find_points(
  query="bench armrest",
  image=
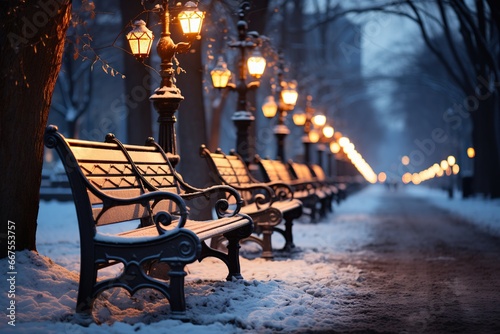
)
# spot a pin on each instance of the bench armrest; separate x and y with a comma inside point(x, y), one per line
point(222, 204)
point(149, 201)
point(282, 191)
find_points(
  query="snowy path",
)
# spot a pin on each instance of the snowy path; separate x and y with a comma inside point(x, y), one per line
point(382, 262)
point(424, 271)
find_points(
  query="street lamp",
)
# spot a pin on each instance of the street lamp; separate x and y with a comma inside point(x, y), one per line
point(140, 39)
point(287, 98)
point(304, 118)
point(167, 97)
point(253, 64)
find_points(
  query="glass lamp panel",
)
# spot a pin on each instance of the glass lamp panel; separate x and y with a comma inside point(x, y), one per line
point(256, 64)
point(140, 39)
point(191, 19)
point(299, 119)
point(220, 74)
point(289, 96)
point(289, 93)
point(269, 108)
point(319, 120)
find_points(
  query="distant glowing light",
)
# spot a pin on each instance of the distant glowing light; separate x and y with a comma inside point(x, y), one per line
point(382, 177)
point(405, 160)
point(451, 160)
point(415, 178)
point(328, 131)
point(343, 141)
point(471, 153)
point(335, 147)
point(444, 164)
point(319, 120)
point(314, 136)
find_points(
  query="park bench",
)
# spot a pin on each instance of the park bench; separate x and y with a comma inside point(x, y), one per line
point(326, 194)
point(268, 204)
point(307, 190)
point(336, 189)
point(114, 183)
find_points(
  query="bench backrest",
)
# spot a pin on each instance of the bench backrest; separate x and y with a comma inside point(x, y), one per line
point(274, 170)
point(230, 168)
point(301, 171)
point(319, 173)
point(95, 168)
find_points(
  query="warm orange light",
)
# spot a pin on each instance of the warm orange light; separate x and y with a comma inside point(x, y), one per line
point(256, 64)
point(415, 178)
point(334, 147)
point(328, 131)
point(319, 120)
point(471, 153)
point(289, 93)
point(314, 136)
point(382, 177)
point(456, 169)
point(406, 178)
point(405, 160)
point(220, 74)
point(451, 160)
point(299, 118)
point(343, 141)
point(191, 19)
point(348, 148)
point(444, 164)
point(140, 39)
point(269, 108)
point(436, 168)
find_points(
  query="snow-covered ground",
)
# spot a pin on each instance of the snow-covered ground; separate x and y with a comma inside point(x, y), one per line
point(304, 292)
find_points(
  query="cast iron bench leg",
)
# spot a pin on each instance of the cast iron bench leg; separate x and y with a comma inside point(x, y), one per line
point(177, 297)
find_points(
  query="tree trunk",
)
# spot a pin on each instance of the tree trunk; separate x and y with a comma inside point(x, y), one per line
point(486, 164)
point(32, 44)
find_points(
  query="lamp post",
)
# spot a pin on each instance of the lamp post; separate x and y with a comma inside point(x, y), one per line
point(320, 135)
point(253, 64)
point(334, 152)
point(167, 97)
point(305, 119)
point(287, 98)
